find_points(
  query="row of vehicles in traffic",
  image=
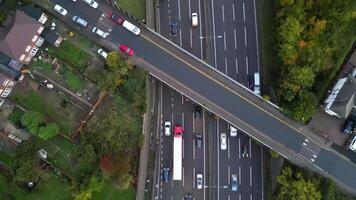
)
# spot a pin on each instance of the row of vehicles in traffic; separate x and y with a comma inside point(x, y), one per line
point(174, 25)
point(103, 34)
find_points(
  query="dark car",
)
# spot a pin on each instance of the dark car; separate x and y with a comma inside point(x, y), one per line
point(245, 150)
point(250, 83)
point(197, 111)
point(188, 197)
point(198, 140)
point(165, 175)
point(348, 127)
point(174, 28)
point(115, 18)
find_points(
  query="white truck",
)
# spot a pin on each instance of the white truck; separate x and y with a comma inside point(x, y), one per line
point(256, 87)
point(177, 153)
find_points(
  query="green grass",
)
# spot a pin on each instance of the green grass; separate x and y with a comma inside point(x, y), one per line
point(5, 158)
point(15, 116)
point(136, 8)
point(33, 101)
point(49, 188)
point(109, 192)
point(39, 64)
point(7, 6)
point(71, 55)
point(73, 81)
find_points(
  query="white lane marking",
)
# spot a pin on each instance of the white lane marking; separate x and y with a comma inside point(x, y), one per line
point(183, 148)
point(215, 60)
point(193, 123)
point(245, 36)
point(239, 149)
point(201, 44)
point(233, 11)
point(237, 66)
point(228, 175)
point(172, 118)
point(191, 39)
point(193, 177)
point(235, 40)
point(193, 149)
point(183, 120)
point(258, 60)
point(228, 147)
point(224, 41)
point(180, 37)
point(251, 176)
point(190, 15)
point(204, 148)
point(246, 58)
point(218, 148)
point(239, 196)
point(183, 176)
point(243, 10)
point(239, 175)
point(223, 13)
point(228, 197)
point(226, 66)
point(250, 148)
point(182, 99)
point(179, 9)
point(250, 196)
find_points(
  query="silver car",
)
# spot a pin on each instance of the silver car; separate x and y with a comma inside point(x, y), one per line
point(92, 3)
point(223, 141)
point(234, 182)
point(199, 181)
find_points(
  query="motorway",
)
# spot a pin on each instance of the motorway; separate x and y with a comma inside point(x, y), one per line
point(229, 101)
point(192, 39)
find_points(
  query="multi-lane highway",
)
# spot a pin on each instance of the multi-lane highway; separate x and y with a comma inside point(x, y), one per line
point(218, 94)
point(224, 163)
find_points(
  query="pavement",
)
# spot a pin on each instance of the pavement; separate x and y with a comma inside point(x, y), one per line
point(219, 94)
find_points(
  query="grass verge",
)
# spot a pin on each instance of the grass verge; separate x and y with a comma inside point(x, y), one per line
point(109, 192)
point(135, 8)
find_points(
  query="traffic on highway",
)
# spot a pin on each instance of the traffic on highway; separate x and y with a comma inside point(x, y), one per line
point(219, 172)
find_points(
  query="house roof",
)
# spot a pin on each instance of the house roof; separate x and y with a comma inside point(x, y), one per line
point(52, 37)
point(19, 36)
point(33, 12)
point(345, 99)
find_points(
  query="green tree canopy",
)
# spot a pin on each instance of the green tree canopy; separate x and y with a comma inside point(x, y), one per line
point(32, 120)
point(293, 186)
point(48, 131)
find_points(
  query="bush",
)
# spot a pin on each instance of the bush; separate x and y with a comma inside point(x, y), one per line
point(274, 154)
point(15, 117)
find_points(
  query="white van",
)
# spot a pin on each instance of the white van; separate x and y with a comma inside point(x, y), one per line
point(100, 32)
point(256, 87)
point(194, 19)
point(132, 28)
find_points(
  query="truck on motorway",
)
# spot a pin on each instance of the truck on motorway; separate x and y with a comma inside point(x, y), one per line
point(177, 153)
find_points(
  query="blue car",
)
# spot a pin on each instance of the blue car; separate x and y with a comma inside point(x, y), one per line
point(174, 28)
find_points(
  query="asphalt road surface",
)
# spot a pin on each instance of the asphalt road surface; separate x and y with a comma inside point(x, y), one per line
point(220, 99)
point(191, 39)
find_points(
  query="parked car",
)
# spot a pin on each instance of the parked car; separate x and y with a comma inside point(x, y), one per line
point(79, 21)
point(100, 32)
point(92, 3)
point(132, 28)
point(188, 197)
point(174, 28)
point(167, 128)
point(198, 140)
point(233, 131)
point(103, 53)
point(194, 19)
point(234, 183)
point(60, 10)
point(126, 50)
point(223, 141)
point(352, 144)
point(245, 150)
point(197, 111)
point(116, 18)
point(199, 180)
point(48, 84)
point(348, 127)
point(165, 175)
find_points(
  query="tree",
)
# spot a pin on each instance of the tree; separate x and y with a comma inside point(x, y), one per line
point(48, 131)
point(32, 120)
point(293, 186)
point(24, 165)
point(113, 60)
point(96, 184)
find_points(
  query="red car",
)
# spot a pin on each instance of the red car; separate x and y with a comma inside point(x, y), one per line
point(115, 18)
point(126, 50)
point(178, 130)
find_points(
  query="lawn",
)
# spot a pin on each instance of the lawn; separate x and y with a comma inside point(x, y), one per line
point(73, 81)
point(109, 192)
point(49, 106)
point(49, 188)
point(135, 8)
point(71, 55)
point(5, 158)
point(39, 64)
